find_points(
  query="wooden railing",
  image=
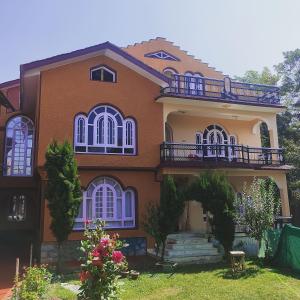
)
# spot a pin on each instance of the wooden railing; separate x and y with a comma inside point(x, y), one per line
point(194, 154)
point(202, 87)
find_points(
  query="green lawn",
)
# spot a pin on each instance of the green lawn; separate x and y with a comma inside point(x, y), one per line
point(199, 282)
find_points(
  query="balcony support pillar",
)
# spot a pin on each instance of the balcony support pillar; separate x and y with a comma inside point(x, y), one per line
point(280, 180)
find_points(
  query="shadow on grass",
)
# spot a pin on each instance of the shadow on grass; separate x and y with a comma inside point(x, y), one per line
point(250, 272)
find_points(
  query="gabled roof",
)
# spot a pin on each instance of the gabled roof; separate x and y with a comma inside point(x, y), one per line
point(5, 102)
point(10, 83)
point(107, 49)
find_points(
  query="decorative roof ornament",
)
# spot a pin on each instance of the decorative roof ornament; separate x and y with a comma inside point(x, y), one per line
point(162, 55)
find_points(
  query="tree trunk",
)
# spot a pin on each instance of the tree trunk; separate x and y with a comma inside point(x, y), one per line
point(163, 250)
point(59, 258)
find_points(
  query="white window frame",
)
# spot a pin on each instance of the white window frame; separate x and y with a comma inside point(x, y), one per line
point(107, 182)
point(28, 146)
point(102, 75)
point(106, 138)
point(76, 128)
point(123, 145)
point(125, 135)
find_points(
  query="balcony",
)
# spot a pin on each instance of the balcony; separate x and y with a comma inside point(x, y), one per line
point(219, 155)
point(222, 90)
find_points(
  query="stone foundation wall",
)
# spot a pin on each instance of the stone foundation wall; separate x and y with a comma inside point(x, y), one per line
point(71, 249)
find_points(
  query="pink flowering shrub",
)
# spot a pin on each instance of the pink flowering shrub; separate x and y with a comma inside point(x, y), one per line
point(102, 262)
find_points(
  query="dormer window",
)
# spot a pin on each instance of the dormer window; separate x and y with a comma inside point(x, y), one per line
point(103, 74)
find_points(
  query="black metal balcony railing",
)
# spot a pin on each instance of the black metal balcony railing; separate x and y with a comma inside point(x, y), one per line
point(202, 87)
point(193, 154)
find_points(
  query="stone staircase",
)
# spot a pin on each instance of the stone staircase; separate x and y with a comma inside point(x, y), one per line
point(190, 248)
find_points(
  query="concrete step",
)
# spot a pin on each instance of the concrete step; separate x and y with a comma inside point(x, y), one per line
point(197, 252)
point(185, 235)
point(186, 246)
point(190, 240)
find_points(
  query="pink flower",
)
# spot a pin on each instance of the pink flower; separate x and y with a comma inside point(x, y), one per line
point(117, 257)
point(95, 253)
point(104, 242)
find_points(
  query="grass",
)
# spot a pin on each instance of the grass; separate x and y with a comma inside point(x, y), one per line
point(208, 282)
point(58, 292)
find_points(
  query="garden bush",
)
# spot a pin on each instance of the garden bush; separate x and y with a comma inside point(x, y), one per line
point(34, 284)
point(102, 262)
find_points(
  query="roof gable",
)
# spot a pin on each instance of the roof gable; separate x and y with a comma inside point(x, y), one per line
point(107, 49)
point(184, 62)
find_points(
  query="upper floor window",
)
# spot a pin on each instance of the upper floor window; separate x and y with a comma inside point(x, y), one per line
point(103, 74)
point(105, 131)
point(19, 147)
point(170, 72)
point(105, 199)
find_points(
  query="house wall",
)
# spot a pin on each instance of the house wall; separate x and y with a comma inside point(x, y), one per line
point(185, 128)
point(67, 91)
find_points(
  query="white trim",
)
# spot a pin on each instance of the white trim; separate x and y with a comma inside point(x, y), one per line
point(105, 183)
point(106, 69)
point(76, 130)
point(106, 115)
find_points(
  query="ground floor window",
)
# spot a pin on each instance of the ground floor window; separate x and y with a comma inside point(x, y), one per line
point(17, 208)
point(105, 199)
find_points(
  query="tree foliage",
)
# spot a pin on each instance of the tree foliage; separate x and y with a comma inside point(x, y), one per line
point(63, 190)
point(162, 219)
point(216, 194)
point(265, 77)
point(257, 207)
point(288, 79)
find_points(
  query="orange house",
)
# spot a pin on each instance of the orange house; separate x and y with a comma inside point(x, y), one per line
point(132, 115)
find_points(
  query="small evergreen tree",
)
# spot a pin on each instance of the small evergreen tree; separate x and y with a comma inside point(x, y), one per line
point(63, 191)
point(171, 208)
point(162, 219)
point(216, 194)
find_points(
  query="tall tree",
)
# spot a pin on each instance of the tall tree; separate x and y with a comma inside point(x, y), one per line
point(289, 123)
point(264, 77)
point(63, 191)
point(162, 219)
point(287, 77)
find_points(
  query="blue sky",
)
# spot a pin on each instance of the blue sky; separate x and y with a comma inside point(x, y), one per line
point(231, 35)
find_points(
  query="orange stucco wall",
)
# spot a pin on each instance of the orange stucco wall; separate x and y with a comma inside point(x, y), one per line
point(67, 91)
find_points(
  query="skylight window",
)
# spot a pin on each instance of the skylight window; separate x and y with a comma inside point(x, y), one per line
point(161, 55)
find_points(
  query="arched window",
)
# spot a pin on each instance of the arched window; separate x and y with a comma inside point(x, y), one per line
point(129, 134)
point(103, 73)
point(19, 147)
point(80, 129)
point(106, 200)
point(105, 132)
point(216, 137)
